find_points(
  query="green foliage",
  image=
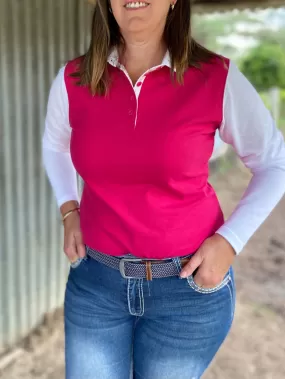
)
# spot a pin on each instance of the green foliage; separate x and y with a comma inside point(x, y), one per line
point(265, 98)
point(213, 30)
point(264, 66)
point(282, 108)
point(268, 36)
point(208, 29)
point(283, 97)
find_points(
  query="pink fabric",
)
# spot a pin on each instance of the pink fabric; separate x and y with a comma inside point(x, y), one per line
point(146, 186)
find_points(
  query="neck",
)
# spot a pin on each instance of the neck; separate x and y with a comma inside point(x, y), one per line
point(141, 54)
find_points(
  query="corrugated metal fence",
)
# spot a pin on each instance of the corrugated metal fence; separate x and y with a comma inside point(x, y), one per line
point(36, 38)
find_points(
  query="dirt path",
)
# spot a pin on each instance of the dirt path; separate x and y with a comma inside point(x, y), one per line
point(255, 347)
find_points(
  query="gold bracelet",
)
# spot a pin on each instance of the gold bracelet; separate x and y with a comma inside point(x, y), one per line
point(69, 213)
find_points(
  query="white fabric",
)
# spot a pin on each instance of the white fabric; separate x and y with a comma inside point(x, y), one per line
point(56, 144)
point(247, 126)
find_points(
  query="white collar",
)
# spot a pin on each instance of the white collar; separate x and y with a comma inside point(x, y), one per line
point(113, 59)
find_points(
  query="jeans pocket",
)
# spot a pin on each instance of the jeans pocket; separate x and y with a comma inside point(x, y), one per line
point(78, 263)
point(202, 290)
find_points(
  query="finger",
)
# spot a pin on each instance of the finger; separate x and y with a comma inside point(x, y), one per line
point(70, 249)
point(81, 251)
point(193, 264)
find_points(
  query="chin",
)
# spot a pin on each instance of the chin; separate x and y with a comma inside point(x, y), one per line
point(136, 26)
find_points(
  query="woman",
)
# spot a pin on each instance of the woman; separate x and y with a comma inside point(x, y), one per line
point(150, 291)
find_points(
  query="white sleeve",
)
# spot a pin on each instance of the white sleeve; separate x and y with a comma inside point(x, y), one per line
point(56, 143)
point(248, 126)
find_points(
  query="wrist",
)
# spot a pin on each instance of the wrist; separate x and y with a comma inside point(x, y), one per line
point(67, 206)
point(225, 243)
point(70, 213)
point(72, 219)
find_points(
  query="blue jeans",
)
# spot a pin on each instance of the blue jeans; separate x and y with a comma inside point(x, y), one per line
point(120, 328)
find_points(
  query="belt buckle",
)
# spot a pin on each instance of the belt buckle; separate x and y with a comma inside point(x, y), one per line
point(122, 266)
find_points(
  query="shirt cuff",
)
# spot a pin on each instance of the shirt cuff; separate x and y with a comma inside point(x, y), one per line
point(66, 198)
point(232, 238)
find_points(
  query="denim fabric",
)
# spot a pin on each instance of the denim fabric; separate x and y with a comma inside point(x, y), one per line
point(163, 329)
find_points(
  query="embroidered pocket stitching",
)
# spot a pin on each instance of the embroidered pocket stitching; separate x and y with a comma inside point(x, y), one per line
point(232, 298)
point(78, 263)
point(196, 288)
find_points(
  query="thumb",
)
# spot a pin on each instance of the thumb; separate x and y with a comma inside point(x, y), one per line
point(192, 265)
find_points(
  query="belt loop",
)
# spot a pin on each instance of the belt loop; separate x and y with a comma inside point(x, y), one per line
point(148, 271)
point(177, 263)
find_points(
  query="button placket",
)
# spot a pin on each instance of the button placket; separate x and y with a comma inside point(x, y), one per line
point(137, 90)
point(133, 104)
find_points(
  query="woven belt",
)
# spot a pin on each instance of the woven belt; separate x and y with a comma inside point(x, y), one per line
point(134, 268)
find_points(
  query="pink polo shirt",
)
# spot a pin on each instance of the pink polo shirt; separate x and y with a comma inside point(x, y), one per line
point(143, 154)
point(144, 160)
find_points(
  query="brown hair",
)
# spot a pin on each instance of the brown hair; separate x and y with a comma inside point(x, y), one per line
point(105, 34)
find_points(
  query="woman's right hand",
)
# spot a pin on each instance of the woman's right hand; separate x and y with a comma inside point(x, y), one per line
point(74, 247)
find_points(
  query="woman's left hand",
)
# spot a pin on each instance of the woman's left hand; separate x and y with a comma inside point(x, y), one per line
point(213, 260)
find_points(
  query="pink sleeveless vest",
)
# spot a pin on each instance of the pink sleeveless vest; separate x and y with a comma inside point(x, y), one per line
point(145, 162)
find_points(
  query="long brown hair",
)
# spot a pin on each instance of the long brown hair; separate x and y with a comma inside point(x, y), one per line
point(105, 34)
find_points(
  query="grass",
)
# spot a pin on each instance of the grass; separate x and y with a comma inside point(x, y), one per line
point(281, 124)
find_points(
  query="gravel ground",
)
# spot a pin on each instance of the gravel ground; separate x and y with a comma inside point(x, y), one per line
point(255, 347)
